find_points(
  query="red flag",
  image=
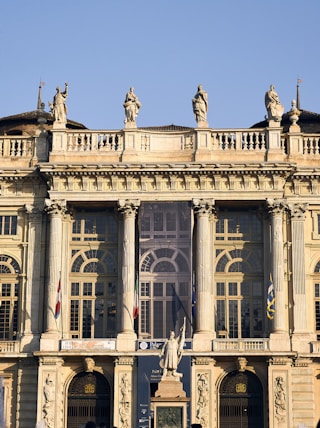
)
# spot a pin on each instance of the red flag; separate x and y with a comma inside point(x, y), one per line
point(136, 299)
point(58, 301)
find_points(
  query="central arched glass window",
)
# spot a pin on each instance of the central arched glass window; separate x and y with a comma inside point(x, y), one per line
point(165, 272)
point(94, 275)
point(239, 292)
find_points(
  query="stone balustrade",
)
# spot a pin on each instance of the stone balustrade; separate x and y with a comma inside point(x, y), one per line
point(9, 347)
point(223, 345)
point(17, 147)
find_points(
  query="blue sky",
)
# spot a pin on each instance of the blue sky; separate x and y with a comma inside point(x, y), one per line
point(164, 48)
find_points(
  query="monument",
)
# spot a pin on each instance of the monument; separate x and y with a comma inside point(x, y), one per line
point(170, 401)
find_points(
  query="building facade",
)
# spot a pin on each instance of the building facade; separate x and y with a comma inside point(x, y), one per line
point(109, 240)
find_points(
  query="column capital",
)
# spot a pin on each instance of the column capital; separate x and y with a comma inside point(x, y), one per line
point(204, 206)
point(55, 207)
point(276, 206)
point(297, 210)
point(34, 212)
point(128, 206)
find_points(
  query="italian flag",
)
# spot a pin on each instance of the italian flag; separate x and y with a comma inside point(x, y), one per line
point(136, 299)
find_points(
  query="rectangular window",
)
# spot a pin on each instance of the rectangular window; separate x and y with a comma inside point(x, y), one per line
point(8, 224)
point(317, 308)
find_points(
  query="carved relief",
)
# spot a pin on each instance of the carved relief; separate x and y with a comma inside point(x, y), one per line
point(280, 399)
point(48, 407)
point(202, 406)
point(124, 401)
point(89, 364)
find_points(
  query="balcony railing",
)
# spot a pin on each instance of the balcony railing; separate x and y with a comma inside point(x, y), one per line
point(17, 147)
point(7, 347)
point(232, 345)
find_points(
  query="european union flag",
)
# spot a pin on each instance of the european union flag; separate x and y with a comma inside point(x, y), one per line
point(271, 300)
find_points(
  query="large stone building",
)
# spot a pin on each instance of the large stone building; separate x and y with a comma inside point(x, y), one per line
point(202, 222)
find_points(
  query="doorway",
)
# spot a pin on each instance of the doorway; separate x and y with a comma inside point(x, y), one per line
point(241, 401)
point(88, 400)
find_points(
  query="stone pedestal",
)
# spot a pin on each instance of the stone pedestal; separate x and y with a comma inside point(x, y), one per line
point(170, 404)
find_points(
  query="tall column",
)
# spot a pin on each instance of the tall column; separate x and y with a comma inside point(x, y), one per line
point(279, 337)
point(56, 210)
point(276, 209)
point(128, 209)
point(204, 331)
point(31, 328)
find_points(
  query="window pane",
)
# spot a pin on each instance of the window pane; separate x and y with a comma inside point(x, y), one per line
point(158, 221)
point(317, 313)
point(86, 318)
point(233, 318)
point(158, 289)
point(158, 319)
point(171, 221)
point(221, 315)
point(232, 287)
point(316, 290)
point(98, 318)
point(220, 289)
point(245, 318)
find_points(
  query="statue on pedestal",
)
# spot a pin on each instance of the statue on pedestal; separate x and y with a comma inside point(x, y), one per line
point(171, 353)
point(131, 106)
point(274, 108)
point(58, 106)
point(200, 105)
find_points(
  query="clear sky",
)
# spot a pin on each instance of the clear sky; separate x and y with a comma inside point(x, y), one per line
point(164, 48)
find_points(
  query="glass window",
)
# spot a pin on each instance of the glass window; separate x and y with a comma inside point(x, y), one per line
point(8, 224)
point(165, 269)
point(94, 274)
point(239, 274)
point(9, 298)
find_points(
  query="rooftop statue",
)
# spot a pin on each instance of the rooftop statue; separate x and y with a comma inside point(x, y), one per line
point(274, 107)
point(58, 106)
point(200, 105)
point(131, 106)
point(171, 353)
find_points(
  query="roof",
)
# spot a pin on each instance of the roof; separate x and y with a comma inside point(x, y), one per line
point(31, 117)
point(309, 122)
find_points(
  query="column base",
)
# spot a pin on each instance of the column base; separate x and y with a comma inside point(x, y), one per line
point(50, 342)
point(202, 341)
point(126, 341)
point(279, 342)
point(302, 342)
point(30, 342)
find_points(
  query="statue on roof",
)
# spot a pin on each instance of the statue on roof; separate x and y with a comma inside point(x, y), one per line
point(200, 106)
point(58, 106)
point(131, 106)
point(274, 107)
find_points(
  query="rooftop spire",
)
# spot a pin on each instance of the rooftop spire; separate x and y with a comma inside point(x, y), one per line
point(298, 93)
point(39, 106)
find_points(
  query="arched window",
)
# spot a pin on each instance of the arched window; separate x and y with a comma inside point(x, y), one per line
point(239, 292)
point(9, 297)
point(165, 269)
point(94, 275)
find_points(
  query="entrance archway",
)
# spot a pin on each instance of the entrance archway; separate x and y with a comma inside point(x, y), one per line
point(88, 400)
point(241, 401)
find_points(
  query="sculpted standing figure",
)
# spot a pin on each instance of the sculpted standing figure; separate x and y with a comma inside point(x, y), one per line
point(58, 107)
point(131, 106)
point(200, 105)
point(171, 353)
point(274, 107)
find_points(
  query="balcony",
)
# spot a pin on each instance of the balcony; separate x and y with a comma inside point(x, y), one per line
point(238, 345)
